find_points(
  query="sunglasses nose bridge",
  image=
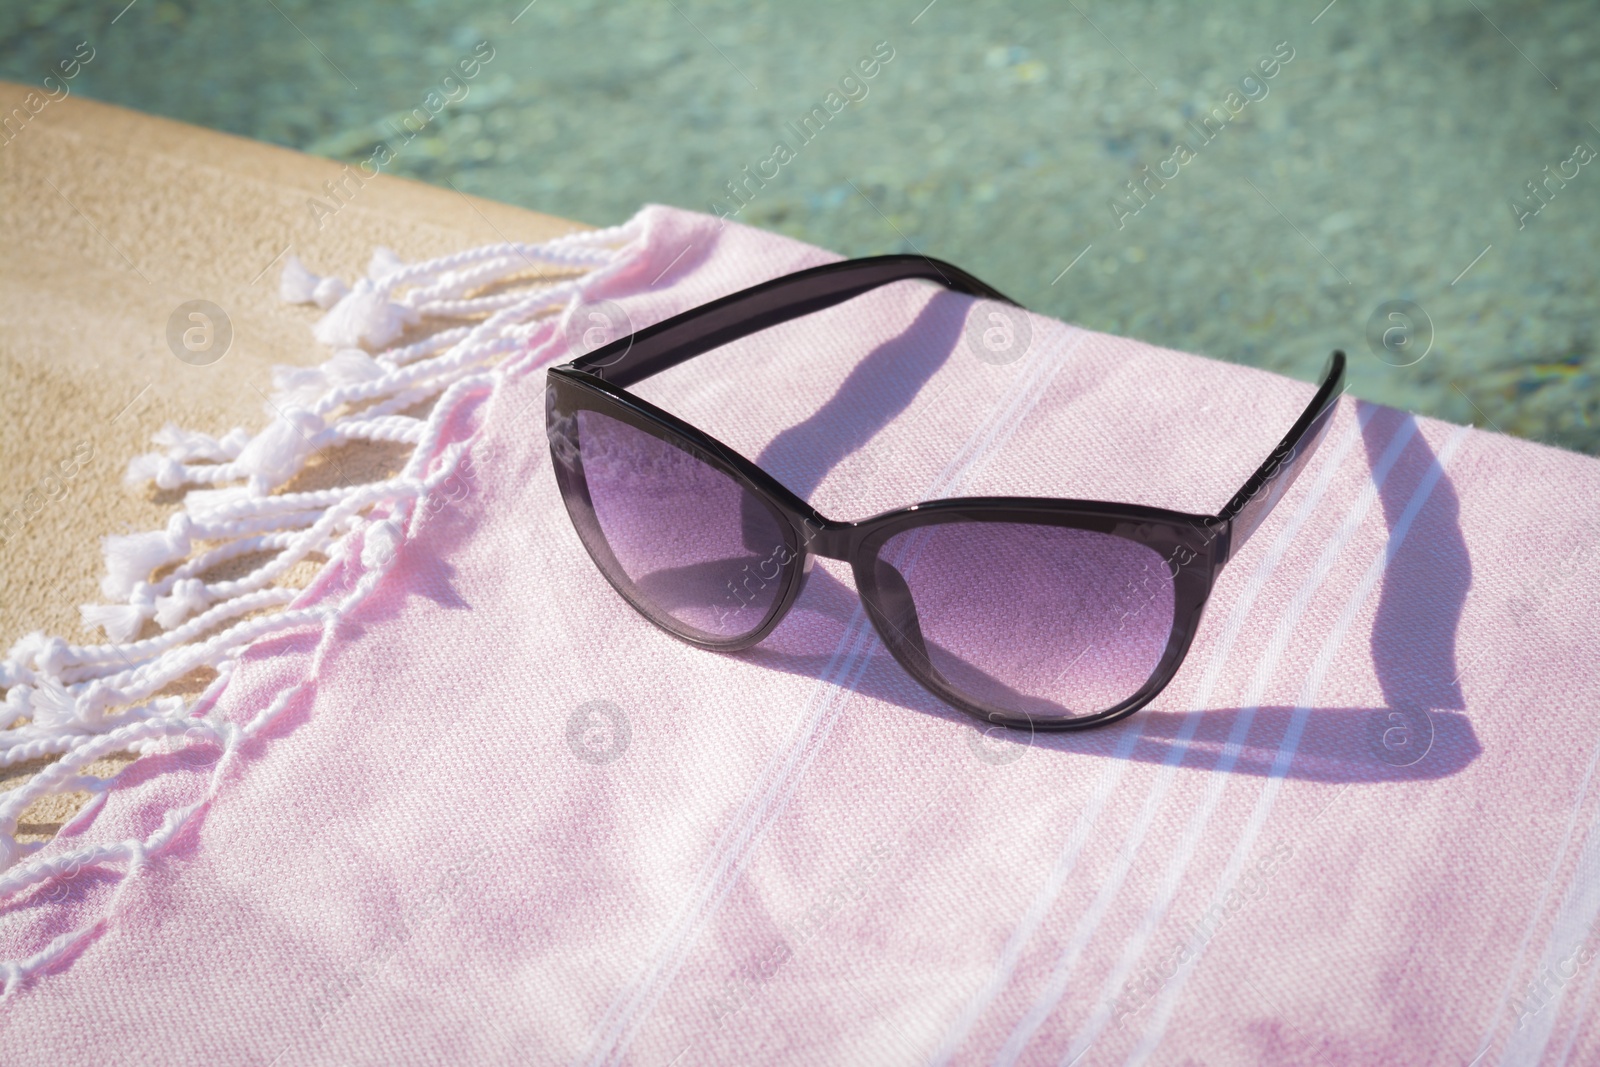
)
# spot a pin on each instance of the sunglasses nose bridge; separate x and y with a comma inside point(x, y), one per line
point(830, 540)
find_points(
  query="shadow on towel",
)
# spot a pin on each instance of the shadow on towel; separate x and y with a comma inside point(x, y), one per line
point(1420, 731)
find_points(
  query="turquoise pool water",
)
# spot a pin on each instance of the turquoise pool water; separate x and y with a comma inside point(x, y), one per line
point(1412, 181)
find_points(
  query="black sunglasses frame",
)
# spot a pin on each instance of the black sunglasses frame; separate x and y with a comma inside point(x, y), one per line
point(1193, 547)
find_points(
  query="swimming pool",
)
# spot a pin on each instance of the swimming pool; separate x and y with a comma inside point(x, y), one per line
point(1412, 181)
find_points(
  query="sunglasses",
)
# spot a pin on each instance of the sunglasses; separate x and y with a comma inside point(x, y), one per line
point(1024, 612)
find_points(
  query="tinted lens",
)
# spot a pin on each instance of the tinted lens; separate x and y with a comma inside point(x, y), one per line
point(689, 541)
point(1044, 621)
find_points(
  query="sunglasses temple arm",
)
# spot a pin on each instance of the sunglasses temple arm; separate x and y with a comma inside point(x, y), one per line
point(666, 344)
point(1252, 504)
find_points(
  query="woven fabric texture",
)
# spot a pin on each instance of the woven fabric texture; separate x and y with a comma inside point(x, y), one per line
point(500, 818)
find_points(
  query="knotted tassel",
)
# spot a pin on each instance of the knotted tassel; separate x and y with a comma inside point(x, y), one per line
point(298, 285)
point(121, 622)
point(329, 291)
point(186, 446)
point(383, 263)
point(37, 655)
point(278, 452)
point(131, 557)
point(52, 707)
point(364, 318)
point(165, 471)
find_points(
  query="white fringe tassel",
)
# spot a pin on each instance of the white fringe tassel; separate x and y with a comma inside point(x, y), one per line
point(81, 702)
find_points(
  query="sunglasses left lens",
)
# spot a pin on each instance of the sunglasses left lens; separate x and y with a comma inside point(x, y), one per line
point(686, 542)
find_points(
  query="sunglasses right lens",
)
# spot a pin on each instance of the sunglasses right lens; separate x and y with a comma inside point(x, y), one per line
point(688, 544)
point(1046, 622)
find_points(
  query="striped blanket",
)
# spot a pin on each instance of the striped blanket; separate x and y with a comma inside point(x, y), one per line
point(485, 813)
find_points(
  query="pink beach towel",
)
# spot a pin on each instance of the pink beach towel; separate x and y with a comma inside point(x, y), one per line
point(459, 803)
